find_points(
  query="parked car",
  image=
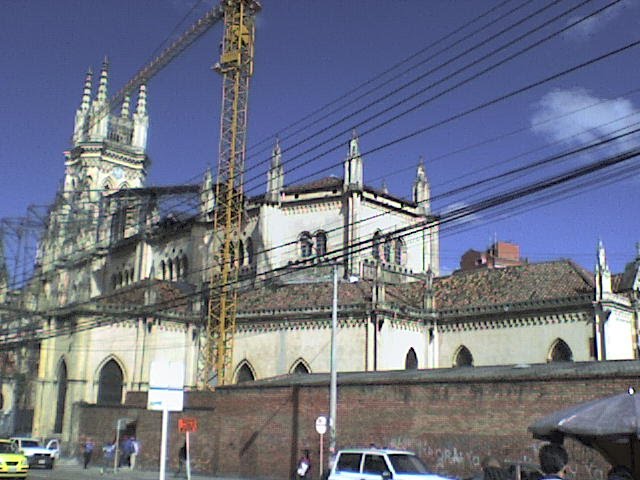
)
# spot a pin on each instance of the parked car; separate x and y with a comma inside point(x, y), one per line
point(37, 455)
point(12, 463)
point(373, 463)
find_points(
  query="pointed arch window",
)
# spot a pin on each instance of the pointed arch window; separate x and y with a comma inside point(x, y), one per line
point(306, 245)
point(411, 360)
point(176, 262)
point(321, 243)
point(232, 255)
point(61, 397)
point(170, 268)
point(463, 357)
point(388, 244)
point(300, 368)
point(185, 267)
point(375, 246)
point(245, 373)
point(240, 253)
point(249, 250)
point(398, 251)
point(560, 352)
point(163, 267)
point(110, 384)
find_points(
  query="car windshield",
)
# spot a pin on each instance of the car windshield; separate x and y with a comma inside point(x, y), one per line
point(406, 463)
point(29, 443)
point(6, 448)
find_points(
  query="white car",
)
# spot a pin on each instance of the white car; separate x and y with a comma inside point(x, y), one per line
point(377, 464)
point(37, 455)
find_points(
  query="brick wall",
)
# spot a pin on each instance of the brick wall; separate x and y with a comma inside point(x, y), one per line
point(450, 417)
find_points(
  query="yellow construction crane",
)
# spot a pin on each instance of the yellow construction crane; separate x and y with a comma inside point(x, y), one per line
point(236, 67)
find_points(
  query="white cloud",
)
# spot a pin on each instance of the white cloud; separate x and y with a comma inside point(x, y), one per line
point(577, 117)
point(593, 24)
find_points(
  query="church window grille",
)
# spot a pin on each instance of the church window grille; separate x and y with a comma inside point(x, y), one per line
point(463, 358)
point(240, 253)
point(249, 247)
point(245, 373)
point(306, 246)
point(170, 268)
point(411, 360)
point(110, 384)
point(62, 397)
point(388, 243)
point(321, 243)
point(560, 352)
point(398, 251)
point(375, 246)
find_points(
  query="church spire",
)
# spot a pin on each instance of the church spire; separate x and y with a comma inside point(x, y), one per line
point(104, 79)
point(353, 178)
point(275, 176)
point(99, 107)
point(603, 274)
point(141, 120)
point(82, 114)
point(124, 112)
point(421, 188)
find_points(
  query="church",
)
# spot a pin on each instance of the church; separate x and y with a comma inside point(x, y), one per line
point(123, 269)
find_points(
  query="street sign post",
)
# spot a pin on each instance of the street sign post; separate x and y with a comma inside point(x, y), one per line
point(166, 393)
point(187, 425)
point(321, 428)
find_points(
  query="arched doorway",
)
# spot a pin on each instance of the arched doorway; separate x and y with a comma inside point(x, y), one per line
point(61, 397)
point(110, 384)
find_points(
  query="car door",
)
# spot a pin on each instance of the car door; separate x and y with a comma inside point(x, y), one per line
point(348, 466)
point(374, 466)
point(54, 446)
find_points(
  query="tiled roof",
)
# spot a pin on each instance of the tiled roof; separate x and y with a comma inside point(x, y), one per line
point(175, 295)
point(303, 295)
point(325, 183)
point(523, 283)
point(478, 288)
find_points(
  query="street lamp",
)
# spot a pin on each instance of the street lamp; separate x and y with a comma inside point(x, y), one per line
point(333, 384)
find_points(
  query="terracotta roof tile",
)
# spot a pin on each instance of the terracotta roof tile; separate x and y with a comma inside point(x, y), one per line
point(530, 282)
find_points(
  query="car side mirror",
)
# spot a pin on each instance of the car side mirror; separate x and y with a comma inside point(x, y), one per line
point(386, 475)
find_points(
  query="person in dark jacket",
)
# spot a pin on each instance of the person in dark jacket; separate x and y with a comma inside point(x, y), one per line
point(553, 461)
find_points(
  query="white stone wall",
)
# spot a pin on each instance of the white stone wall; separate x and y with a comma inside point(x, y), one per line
point(618, 331)
point(504, 345)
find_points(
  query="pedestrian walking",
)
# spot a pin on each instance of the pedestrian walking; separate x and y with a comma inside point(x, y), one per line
point(135, 449)
point(304, 466)
point(182, 458)
point(108, 453)
point(87, 451)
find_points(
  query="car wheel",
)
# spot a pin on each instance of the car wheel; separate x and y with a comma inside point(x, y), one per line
point(50, 466)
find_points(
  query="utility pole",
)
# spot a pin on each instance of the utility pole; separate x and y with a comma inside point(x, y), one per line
point(333, 387)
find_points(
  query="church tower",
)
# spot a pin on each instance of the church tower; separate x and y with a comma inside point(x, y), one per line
point(108, 149)
point(275, 176)
point(421, 189)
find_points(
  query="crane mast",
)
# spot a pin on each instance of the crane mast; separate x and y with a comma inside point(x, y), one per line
point(236, 68)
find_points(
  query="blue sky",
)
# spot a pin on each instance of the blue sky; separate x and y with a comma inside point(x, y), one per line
point(310, 53)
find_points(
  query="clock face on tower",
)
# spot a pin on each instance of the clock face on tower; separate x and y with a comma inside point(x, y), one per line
point(118, 173)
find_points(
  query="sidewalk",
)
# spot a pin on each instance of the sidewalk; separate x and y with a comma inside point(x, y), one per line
point(74, 468)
